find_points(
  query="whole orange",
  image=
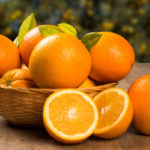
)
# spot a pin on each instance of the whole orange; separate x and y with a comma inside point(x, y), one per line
point(139, 93)
point(112, 58)
point(60, 61)
point(17, 78)
point(9, 55)
point(28, 43)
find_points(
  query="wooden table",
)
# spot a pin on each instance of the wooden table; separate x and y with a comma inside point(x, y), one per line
point(15, 138)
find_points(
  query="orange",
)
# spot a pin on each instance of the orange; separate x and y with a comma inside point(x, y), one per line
point(115, 113)
point(30, 40)
point(17, 78)
point(70, 116)
point(60, 61)
point(28, 43)
point(139, 93)
point(87, 83)
point(112, 58)
point(9, 55)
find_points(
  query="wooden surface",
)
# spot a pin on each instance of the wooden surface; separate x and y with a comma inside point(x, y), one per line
point(14, 138)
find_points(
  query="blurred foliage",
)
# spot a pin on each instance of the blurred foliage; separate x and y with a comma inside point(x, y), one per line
point(130, 18)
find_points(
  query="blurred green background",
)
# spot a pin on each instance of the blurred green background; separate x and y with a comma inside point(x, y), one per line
point(130, 18)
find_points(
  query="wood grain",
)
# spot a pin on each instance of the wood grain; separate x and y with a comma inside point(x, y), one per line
point(14, 138)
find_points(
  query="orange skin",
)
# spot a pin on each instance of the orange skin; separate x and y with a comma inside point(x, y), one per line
point(121, 126)
point(66, 103)
point(112, 58)
point(30, 40)
point(139, 93)
point(60, 61)
point(87, 83)
point(9, 55)
point(28, 43)
point(17, 78)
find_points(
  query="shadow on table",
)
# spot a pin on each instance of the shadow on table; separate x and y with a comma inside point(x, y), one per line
point(31, 134)
point(35, 135)
point(40, 136)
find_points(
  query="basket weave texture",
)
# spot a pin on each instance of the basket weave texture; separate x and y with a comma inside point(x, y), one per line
point(24, 107)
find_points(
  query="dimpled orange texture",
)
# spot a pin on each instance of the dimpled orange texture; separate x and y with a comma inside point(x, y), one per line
point(28, 43)
point(112, 58)
point(30, 40)
point(139, 93)
point(9, 55)
point(87, 83)
point(19, 78)
point(60, 61)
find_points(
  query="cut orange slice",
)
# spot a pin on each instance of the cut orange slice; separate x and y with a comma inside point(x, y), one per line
point(115, 113)
point(70, 116)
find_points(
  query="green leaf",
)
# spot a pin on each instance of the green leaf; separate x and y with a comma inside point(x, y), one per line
point(16, 41)
point(8, 82)
point(28, 24)
point(68, 28)
point(47, 30)
point(90, 39)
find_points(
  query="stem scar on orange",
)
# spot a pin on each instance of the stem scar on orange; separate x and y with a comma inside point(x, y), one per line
point(17, 78)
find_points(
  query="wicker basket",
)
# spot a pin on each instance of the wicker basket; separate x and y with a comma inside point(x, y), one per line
point(24, 107)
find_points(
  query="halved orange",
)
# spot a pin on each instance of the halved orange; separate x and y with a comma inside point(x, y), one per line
point(115, 112)
point(70, 116)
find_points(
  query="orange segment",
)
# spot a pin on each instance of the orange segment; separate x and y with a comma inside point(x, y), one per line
point(108, 106)
point(115, 112)
point(70, 116)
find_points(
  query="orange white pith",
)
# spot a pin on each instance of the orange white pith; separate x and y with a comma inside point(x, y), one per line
point(115, 112)
point(70, 116)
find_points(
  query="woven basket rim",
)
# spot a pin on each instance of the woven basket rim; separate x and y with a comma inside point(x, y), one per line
point(47, 90)
point(24, 106)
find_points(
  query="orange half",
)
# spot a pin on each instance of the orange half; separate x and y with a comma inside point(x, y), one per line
point(70, 116)
point(115, 112)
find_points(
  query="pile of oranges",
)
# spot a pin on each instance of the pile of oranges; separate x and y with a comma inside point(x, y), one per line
point(49, 56)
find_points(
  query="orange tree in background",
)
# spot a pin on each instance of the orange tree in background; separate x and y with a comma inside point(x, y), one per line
point(129, 18)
